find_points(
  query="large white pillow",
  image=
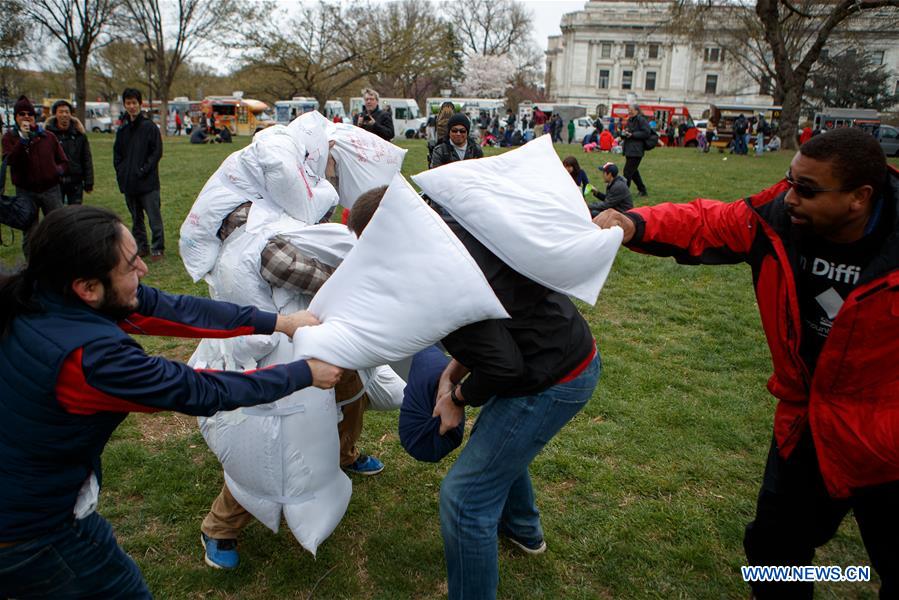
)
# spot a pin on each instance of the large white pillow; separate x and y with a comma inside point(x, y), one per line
point(364, 161)
point(229, 187)
point(288, 183)
point(408, 283)
point(525, 207)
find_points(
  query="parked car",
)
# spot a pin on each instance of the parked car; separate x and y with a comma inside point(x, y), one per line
point(888, 136)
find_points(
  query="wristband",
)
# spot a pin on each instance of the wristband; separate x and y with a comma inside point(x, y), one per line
point(455, 398)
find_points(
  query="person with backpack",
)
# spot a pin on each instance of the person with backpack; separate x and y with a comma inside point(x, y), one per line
point(634, 136)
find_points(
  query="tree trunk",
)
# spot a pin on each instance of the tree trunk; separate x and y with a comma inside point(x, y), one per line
point(81, 91)
point(163, 87)
point(789, 118)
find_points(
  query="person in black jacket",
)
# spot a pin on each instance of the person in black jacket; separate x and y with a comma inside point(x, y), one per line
point(79, 175)
point(372, 118)
point(136, 155)
point(634, 134)
point(531, 374)
point(618, 194)
point(459, 146)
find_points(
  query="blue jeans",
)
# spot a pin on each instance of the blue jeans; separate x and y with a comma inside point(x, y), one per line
point(79, 560)
point(489, 488)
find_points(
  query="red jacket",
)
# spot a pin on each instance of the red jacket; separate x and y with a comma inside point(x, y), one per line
point(852, 400)
point(36, 164)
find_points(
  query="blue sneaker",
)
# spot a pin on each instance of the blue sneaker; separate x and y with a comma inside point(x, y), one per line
point(365, 465)
point(220, 554)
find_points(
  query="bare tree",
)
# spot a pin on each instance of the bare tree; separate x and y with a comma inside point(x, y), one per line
point(490, 27)
point(171, 31)
point(424, 71)
point(15, 42)
point(779, 42)
point(327, 51)
point(77, 25)
point(498, 28)
point(792, 68)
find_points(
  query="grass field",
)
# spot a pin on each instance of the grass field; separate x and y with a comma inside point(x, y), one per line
point(644, 494)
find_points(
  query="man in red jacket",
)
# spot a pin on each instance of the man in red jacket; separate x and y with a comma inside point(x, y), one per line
point(35, 159)
point(823, 245)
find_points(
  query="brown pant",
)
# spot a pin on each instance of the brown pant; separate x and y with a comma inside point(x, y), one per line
point(227, 517)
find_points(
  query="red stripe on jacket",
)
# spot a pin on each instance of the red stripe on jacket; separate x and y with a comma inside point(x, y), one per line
point(143, 325)
point(78, 397)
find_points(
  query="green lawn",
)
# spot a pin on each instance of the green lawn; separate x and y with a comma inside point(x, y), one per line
point(644, 495)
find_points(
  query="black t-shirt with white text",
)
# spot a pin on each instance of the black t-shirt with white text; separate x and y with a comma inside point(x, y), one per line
point(828, 272)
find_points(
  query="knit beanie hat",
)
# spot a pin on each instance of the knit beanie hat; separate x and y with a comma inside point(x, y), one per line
point(23, 104)
point(459, 119)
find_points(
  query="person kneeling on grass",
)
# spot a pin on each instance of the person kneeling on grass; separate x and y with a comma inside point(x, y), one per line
point(70, 374)
point(823, 245)
point(618, 194)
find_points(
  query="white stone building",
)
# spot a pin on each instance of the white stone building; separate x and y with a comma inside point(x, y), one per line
point(614, 48)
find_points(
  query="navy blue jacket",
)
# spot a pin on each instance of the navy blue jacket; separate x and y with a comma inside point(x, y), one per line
point(69, 375)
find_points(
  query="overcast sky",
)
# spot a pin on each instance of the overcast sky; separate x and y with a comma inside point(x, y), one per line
point(548, 15)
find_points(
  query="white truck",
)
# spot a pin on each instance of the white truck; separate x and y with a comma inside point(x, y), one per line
point(97, 117)
point(407, 119)
point(288, 110)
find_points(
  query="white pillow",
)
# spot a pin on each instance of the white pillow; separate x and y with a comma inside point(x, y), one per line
point(288, 184)
point(364, 161)
point(525, 208)
point(284, 457)
point(408, 283)
point(229, 187)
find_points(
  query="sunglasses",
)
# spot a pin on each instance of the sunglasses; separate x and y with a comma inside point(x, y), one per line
point(458, 130)
point(25, 114)
point(804, 190)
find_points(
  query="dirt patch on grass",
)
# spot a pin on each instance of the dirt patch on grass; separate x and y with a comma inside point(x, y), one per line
point(163, 427)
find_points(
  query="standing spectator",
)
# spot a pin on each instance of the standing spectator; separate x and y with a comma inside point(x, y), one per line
point(441, 126)
point(570, 131)
point(613, 129)
point(178, 123)
point(136, 154)
point(760, 127)
point(599, 126)
point(431, 128)
point(557, 137)
point(372, 118)
point(806, 135)
point(634, 136)
point(484, 123)
point(35, 159)
point(671, 134)
point(577, 173)
point(494, 125)
point(510, 120)
point(682, 129)
point(79, 175)
point(539, 121)
point(459, 146)
point(188, 123)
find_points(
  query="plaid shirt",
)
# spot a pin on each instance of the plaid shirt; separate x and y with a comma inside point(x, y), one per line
point(283, 265)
